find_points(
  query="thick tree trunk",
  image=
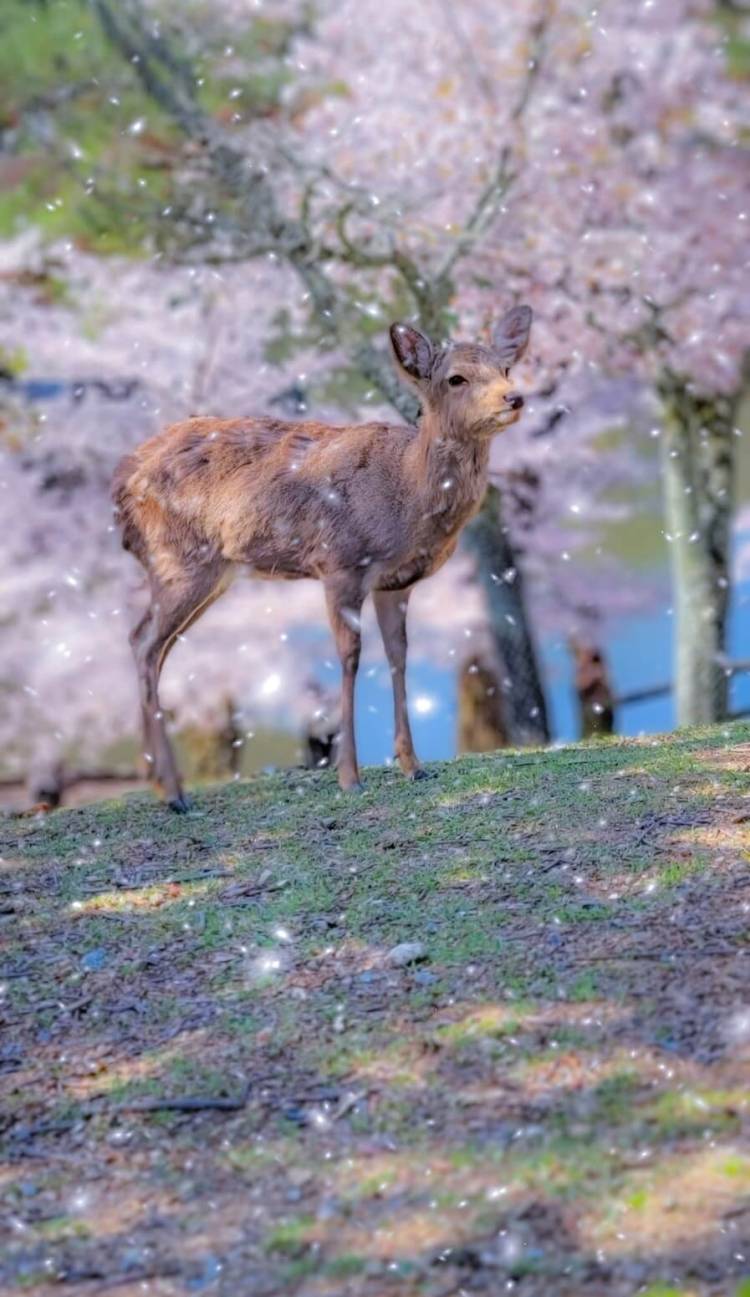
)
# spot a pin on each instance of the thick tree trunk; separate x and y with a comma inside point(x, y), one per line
point(698, 470)
point(500, 577)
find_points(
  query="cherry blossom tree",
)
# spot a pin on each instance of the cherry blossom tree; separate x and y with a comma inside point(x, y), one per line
point(614, 197)
point(589, 164)
point(596, 167)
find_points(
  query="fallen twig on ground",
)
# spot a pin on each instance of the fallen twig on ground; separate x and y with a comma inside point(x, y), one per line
point(189, 1103)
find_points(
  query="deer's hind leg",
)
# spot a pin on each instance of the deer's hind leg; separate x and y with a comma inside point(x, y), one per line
point(175, 604)
point(344, 597)
point(139, 631)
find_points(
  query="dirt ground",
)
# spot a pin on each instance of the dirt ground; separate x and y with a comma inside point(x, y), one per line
point(218, 1078)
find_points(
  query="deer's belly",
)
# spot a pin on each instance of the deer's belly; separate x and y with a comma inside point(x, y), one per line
point(279, 566)
point(313, 545)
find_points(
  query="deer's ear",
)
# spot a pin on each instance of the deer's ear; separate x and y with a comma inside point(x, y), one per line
point(511, 335)
point(413, 351)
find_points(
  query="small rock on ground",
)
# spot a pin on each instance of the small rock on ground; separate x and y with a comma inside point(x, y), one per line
point(408, 952)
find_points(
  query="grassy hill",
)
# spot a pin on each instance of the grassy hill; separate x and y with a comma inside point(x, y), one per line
point(552, 1100)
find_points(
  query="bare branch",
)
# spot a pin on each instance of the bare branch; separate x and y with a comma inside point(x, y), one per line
point(360, 199)
point(478, 75)
point(250, 184)
point(481, 218)
point(357, 256)
point(144, 53)
point(381, 372)
point(493, 193)
point(534, 65)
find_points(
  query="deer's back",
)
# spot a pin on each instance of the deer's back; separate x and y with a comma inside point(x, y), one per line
point(289, 499)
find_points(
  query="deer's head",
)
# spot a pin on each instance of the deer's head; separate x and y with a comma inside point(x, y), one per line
point(467, 385)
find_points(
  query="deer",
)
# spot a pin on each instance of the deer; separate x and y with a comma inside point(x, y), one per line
point(369, 509)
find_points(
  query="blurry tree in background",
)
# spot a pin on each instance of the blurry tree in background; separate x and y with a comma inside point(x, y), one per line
point(269, 191)
point(593, 690)
point(481, 720)
point(699, 479)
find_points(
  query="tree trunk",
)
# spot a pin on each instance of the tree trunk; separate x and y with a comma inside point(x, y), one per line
point(698, 470)
point(213, 753)
point(481, 723)
point(500, 578)
point(593, 691)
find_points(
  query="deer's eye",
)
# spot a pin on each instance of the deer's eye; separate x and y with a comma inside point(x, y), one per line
point(457, 380)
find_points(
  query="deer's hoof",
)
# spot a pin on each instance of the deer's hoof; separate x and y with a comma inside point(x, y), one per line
point(355, 787)
point(421, 773)
point(180, 805)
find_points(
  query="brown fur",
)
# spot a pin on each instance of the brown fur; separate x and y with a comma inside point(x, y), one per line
point(365, 509)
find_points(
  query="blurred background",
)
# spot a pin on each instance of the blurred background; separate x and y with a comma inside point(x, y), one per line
point(220, 207)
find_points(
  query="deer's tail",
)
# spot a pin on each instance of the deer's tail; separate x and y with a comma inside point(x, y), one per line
point(122, 498)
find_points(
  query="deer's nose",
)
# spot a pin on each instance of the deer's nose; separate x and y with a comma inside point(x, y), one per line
point(514, 400)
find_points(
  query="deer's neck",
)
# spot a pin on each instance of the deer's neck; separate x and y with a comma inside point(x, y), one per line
point(451, 471)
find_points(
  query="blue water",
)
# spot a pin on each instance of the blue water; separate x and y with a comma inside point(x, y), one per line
point(639, 653)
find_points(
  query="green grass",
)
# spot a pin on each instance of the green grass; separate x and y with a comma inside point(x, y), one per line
point(558, 1062)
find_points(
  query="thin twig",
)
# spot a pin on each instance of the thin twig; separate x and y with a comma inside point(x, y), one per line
point(142, 1275)
point(40, 1006)
point(478, 75)
point(504, 174)
point(21, 1133)
point(189, 1103)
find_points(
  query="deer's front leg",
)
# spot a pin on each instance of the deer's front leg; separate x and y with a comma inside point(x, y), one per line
point(344, 596)
point(390, 607)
